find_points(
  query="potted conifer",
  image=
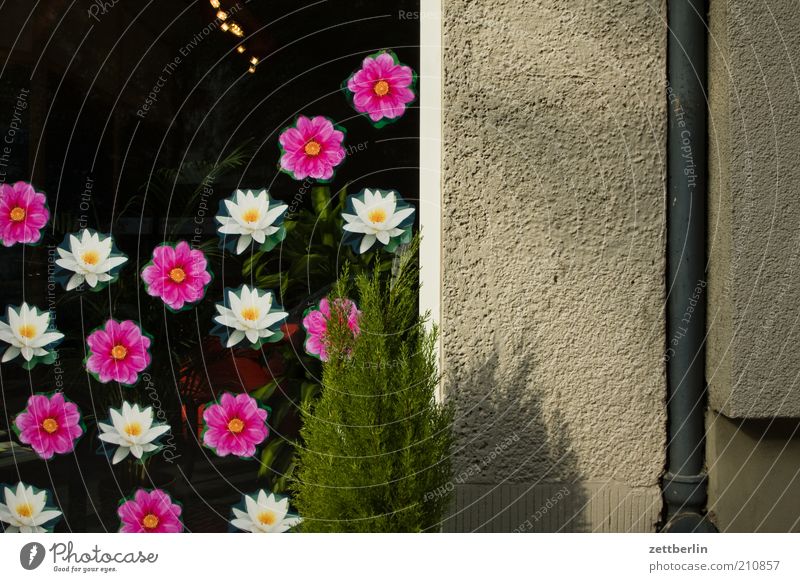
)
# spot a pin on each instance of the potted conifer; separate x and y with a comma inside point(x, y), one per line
point(376, 444)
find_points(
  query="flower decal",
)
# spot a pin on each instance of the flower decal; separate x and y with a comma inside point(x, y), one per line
point(249, 216)
point(133, 431)
point(248, 314)
point(264, 512)
point(150, 512)
point(377, 215)
point(25, 510)
point(178, 274)
point(118, 351)
point(27, 332)
point(312, 148)
point(23, 214)
point(50, 425)
point(235, 426)
point(315, 321)
point(88, 257)
point(382, 88)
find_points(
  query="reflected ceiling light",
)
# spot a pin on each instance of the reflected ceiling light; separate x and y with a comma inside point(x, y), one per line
point(251, 70)
point(253, 61)
point(236, 29)
point(222, 15)
point(240, 48)
point(224, 26)
point(215, 3)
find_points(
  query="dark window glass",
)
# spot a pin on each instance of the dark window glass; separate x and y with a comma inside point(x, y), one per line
point(137, 119)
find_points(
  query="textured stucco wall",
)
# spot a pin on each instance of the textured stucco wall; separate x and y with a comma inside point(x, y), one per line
point(753, 358)
point(754, 239)
point(553, 259)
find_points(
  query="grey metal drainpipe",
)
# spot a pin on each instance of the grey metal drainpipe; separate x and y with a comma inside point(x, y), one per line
point(684, 483)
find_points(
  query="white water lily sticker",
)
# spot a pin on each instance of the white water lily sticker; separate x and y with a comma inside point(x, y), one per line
point(380, 216)
point(88, 257)
point(249, 216)
point(248, 314)
point(133, 431)
point(27, 334)
point(24, 510)
point(264, 513)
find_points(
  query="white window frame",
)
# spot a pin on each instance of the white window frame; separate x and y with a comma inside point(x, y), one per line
point(430, 156)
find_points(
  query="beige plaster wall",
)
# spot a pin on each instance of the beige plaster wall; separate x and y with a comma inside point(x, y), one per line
point(553, 261)
point(754, 239)
point(753, 360)
point(754, 474)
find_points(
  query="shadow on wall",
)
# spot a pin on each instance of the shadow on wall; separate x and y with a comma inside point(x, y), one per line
point(514, 467)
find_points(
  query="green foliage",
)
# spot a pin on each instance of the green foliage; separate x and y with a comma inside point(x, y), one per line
point(171, 191)
point(304, 267)
point(376, 446)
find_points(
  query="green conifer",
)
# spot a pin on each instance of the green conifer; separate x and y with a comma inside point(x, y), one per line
point(376, 445)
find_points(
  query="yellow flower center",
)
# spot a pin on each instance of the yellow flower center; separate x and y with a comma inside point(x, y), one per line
point(250, 313)
point(90, 257)
point(150, 521)
point(177, 274)
point(251, 215)
point(236, 425)
point(27, 331)
point(50, 425)
point(313, 148)
point(24, 510)
point(17, 214)
point(118, 352)
point(133, 429)
point(377, 216)
point(381, 88)
point(267, 517)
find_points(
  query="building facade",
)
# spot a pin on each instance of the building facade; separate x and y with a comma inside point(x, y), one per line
point(554, 211)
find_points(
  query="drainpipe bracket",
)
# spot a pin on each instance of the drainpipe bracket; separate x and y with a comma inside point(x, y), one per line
point(684, 492)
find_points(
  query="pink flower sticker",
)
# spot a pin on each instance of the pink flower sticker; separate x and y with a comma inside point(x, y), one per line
point(150, 512)
point(177, 274)
point(23, 214)
point(382, 88)
point(118, 352)
point(50, 425)
point(311, 149)
point(316, 324)
point(235, 426)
